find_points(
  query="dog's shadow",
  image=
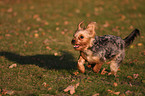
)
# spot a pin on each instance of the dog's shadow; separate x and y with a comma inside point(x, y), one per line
point(65, 61)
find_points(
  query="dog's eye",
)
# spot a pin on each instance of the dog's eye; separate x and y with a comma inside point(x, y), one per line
point(82, 37)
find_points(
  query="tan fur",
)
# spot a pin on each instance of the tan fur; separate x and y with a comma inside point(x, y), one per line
point(80, 65)
point(84, 44)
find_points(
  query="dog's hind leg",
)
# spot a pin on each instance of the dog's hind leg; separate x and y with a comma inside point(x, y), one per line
point(115, 63)
point(97, 67)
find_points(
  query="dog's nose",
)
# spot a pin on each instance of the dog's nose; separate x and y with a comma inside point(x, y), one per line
point(73, 41)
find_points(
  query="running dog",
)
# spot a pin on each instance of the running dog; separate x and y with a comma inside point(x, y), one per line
point(97, 49)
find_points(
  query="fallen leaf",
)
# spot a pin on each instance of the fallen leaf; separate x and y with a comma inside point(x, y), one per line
point(130, 77)
point(139, 44)
point(130, 84)
point(143, 81)
point(116, 93)
point(66, 22)
point(115, 84)
point(49, 88)
point(103, 71)
point(135, 76)
point(89, 65)
point(7, 35)
point(122, 18)
point(97, 94)
point(47, 47)
point(19, 20)
point(132, 46)
point(46, 23)
point(55, 54)
point(131, 27)
point(57, 23)
point(13, 65)
point(77, 11)
point(57, 28)
point(4, 92)
point(110, 91)
point(106, 24)
point(35, 16)
point(10, 10)
point(71, 89)
point(77, 85)
point(36, 35)
point(128, 92)
point(45, 84)
point(10, 92)
point(76, 73)
point(62, 32)
point(88, 15)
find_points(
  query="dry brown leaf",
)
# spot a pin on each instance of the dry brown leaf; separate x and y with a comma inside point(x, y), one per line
point(130, 77)
point(10, 92)
point(139, 44)
point(77, 11)
point(97, 94)
point(71, 89)
point(116, 93)
point(47, 47)
point(36, 35)
point(7, 35)
point(55, 54)
point(131, 46)
point(89, 66)
point(49, 88)
point(122, 17)
point(128, 92)
point(110, 91)
point(106, 24)
point(130, 84)
point(115, 84)
point(88, 15)
point(77, 85)
point(135, 76)
point(62, 32)
point(143, 81)
point(10, 10)
point(45, 84)
point(35, 16)
point(76, 73)
point(13, 65)
point(103, 71)
point(57, 28)
point(66, 22)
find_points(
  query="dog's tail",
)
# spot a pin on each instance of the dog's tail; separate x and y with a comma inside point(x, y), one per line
point(130, 38)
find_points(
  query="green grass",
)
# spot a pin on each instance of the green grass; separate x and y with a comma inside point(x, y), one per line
point(36, 35)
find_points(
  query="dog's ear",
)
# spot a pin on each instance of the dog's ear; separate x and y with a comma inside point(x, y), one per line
point(91, 29)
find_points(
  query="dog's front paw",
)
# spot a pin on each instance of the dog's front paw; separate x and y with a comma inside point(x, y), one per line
point(97, 68)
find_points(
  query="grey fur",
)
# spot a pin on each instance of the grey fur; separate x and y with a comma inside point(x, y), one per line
point(108, 46)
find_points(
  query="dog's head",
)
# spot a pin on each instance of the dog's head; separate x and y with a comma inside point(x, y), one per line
point(83, 38)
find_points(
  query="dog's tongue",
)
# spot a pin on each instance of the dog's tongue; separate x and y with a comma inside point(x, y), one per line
point(76, 46)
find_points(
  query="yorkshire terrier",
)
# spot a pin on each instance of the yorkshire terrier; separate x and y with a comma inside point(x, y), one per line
point(97, 49)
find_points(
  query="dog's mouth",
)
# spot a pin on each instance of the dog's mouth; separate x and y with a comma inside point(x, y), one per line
point(76, 46)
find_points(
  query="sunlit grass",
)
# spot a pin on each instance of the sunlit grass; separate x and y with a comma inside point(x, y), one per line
point(36, 36)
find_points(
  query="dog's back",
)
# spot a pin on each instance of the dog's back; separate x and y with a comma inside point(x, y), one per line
point(108, 46)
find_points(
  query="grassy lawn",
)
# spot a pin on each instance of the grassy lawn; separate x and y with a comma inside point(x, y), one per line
point(35, 36)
